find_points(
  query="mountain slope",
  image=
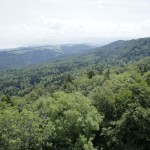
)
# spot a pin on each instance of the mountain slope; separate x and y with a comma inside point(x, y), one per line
point(112, 53)
point(128, 50)
point(25, 56)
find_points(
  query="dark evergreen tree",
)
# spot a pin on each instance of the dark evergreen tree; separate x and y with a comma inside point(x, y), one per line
point(90, 74)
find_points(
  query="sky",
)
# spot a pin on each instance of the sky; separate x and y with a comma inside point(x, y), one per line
point(37, 22)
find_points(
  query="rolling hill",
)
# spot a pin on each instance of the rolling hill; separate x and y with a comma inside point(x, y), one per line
point(26, 56)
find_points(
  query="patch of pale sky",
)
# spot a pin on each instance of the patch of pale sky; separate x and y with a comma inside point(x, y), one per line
point(24, 22)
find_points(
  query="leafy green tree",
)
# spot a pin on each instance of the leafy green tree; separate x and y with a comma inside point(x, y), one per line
point(73, 116)
point(24, 130)
point(90, 74)
point(103, 100)
point(131, 131)
point(68, 87)
point(69, 79)
point(147, 77)
point(6, 98)
point(107, 75)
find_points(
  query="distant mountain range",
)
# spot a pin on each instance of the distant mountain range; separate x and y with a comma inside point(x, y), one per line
point(115, 52)
point(26, 56)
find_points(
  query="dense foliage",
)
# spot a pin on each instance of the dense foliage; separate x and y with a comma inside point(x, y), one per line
point(96, 101)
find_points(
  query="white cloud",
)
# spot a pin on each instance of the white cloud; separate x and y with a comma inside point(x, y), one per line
point(86, 27)
point(33, 21)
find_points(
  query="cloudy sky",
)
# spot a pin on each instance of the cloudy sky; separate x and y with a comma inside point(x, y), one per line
point(29, 22)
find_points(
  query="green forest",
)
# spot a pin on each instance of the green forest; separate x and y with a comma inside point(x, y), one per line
point(94, 101)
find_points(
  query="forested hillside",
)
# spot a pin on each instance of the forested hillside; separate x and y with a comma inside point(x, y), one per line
point(28, 56)
point(99, 100)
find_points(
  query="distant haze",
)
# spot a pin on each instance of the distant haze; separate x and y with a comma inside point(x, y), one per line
point(31, 22)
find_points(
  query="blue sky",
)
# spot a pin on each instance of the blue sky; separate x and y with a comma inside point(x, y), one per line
point(29, 22)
